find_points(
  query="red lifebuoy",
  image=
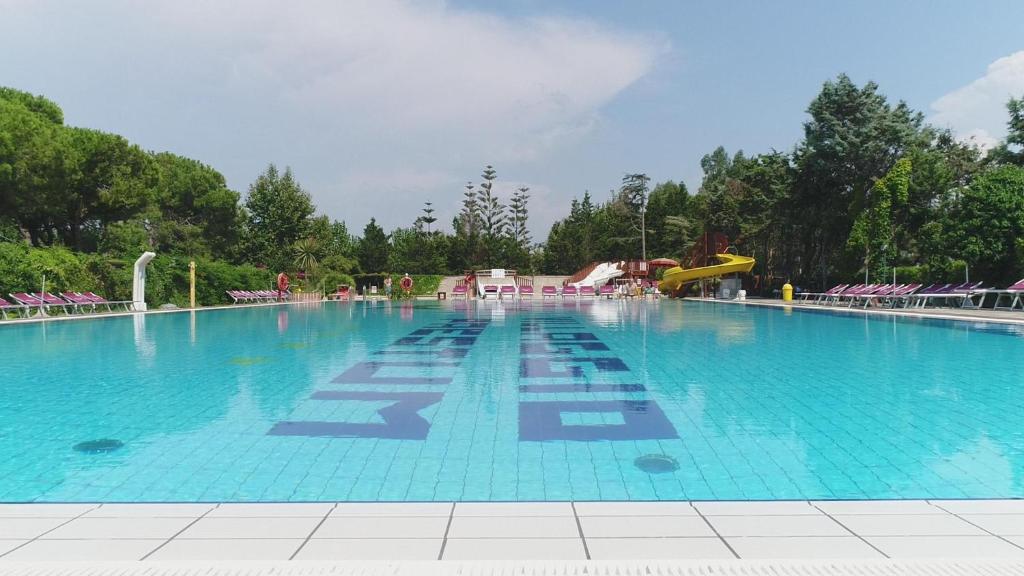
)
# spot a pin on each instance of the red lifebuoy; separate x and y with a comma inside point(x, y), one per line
point(282, 282)
point(406, 284)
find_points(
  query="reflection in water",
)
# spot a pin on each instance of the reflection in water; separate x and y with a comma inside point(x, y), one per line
point(143, 346)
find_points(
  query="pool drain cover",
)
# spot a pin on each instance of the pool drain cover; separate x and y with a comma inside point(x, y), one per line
point(656, 463)
point(98, 446)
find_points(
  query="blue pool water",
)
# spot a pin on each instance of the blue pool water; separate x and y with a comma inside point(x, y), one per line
point(464, 401)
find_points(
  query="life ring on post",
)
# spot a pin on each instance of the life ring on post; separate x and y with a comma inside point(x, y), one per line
point(406, 284)
point(282, 285)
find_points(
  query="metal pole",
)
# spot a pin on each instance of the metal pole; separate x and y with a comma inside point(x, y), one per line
point(192, 284)
point(643, 232)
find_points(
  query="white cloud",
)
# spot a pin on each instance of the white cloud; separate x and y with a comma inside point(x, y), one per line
point(977, 112)
point(368, 100)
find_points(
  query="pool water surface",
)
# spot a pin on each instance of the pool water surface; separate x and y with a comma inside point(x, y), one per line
point(490, 401)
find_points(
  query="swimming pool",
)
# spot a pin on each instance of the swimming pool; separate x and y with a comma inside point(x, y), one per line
point(603, 400)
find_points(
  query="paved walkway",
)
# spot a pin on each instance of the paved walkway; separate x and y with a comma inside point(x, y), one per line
point(513, 531)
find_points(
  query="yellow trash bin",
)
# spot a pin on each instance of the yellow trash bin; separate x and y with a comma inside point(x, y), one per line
point(787, 292)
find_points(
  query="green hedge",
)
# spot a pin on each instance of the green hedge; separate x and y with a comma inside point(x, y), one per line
point(167, 277)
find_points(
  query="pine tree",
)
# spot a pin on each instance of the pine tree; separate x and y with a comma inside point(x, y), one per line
point(428, 217)
point(492, 211)
point(518, 232)
point(470, 215)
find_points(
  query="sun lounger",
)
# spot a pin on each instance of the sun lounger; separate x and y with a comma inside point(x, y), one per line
point(608, 291)
point(35, 300)
point(110, 304)
point(901, 294)
point(949, 293)
point(80, 302)
point(866, 297)
point(817, 296)
point(526, 292)
point(461, 291)
point(8, 308)
point(914, 300)
point(1011, 294)
point(490, 290)
point(507, 291)
point(834, 296)
point(849, 293)
point(238, 296)
point(587, 291)
point(548, 292)
point(569, 291)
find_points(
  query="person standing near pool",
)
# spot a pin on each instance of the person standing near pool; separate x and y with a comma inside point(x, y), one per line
point(387, 287)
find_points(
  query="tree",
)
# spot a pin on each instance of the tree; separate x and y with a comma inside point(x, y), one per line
point(1011, 151)
point(986, 225)
point(279, 214)
point(373, 248)
point(308, 253)
point(518, 232)
point(493, 212)
point(198, 214)
point(854, 136)
point(428, 217)
point(874, 231)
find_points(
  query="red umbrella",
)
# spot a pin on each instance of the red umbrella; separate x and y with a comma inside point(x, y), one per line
point(664, 263)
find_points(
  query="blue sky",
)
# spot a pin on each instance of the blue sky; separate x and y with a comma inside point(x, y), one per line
point(381, 105)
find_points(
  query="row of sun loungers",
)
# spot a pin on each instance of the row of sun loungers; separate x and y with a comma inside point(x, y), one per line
point(507, 291)
point(22, 304)
point(255, 296)
point(964, 295)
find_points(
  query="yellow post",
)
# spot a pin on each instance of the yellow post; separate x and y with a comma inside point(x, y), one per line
point(787, 292)
point(192, 284)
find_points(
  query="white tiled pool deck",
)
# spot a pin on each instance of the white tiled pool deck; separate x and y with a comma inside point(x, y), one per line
point(908, 529)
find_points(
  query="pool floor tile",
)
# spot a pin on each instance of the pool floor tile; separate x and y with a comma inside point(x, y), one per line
point(945, 547)
point(903, 525)
point(280, 528)
point(227, 549)
point(117, 528)
point(514, 527)
point(644, 526)
point(777, 526)
point(383, 527)
point(656, 548)
point(514, 549)
point(371, 549)
point(83, 550)
point(755, 547)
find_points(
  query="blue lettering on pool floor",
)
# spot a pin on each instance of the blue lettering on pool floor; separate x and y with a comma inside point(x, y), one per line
point(401, 417)
point(547, 344)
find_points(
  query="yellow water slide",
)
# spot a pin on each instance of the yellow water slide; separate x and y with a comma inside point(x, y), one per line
point(675, 278)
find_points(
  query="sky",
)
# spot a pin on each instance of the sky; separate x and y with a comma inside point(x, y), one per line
point(381, 105)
